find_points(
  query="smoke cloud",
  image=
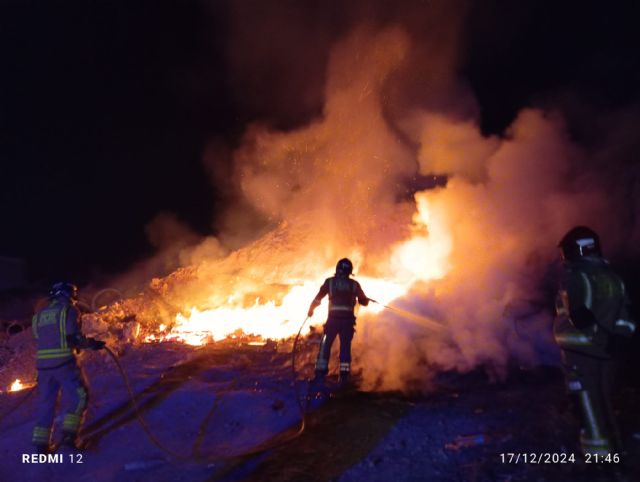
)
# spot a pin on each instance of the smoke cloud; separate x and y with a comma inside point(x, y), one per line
point(393, 109)
point(505, 207)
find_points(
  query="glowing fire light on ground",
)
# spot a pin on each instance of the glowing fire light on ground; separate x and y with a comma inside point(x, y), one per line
point(17, 385)
point(422, 257)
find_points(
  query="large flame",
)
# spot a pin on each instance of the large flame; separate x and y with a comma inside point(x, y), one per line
point(332, 188)
point(461, 256)
point(421, 257)
point(297, 192)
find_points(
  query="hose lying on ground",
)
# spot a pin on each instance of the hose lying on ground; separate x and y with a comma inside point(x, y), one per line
point(281, 439)
point(269, 445)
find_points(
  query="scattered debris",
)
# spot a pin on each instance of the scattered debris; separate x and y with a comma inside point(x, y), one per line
point(464, 441)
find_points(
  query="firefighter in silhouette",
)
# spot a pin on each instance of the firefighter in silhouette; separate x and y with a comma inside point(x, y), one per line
point(591, 314)
point(343, 293)
point(57, 332)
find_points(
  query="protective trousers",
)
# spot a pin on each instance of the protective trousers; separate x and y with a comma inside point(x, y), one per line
point(344, 327)
point(590, 384)
point(67, 377)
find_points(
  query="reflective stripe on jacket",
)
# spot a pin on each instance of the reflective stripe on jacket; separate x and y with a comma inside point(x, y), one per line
point(343, 293)
point(50, 327)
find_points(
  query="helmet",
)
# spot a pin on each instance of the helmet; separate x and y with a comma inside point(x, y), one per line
point(344, 267)
point(579, 242)
point(69, 291)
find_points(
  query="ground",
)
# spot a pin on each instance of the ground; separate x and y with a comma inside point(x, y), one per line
point(228, 412)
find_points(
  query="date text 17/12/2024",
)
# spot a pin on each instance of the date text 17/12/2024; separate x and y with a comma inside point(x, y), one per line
point(52, 459)
point(557, 458)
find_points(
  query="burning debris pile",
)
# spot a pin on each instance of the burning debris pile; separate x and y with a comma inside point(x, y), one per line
point(343, 173)
point(461, 255)
point(250, 292)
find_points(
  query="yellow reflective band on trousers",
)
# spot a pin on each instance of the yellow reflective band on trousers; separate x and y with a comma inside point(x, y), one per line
point(340, 308)
point(345, 366)
point(71, 422)
point(41, 435)
point(598, 446)
point(572, 339)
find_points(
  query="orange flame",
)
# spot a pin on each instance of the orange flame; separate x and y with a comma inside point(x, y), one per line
point(333, 181)
point(421, 257)
point(17, 385)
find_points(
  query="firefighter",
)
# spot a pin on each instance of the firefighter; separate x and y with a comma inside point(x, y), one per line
point(592, 313)
point(343, 293)
point(57, 332)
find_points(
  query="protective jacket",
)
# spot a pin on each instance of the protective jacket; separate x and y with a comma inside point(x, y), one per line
point(591, 306)
point(343, 293)
point(54, 327)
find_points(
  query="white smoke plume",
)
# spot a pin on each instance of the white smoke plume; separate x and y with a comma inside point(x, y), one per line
point(337, 187)
point(507, 202)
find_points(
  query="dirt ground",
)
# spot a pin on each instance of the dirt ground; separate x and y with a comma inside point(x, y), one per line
point(232, 398)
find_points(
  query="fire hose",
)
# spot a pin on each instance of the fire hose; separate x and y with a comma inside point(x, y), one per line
point(302, 408)
point(139, 417)
point(269, 445)
point(278, 441)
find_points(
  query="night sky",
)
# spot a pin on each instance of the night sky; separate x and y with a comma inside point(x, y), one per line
point(106, 107)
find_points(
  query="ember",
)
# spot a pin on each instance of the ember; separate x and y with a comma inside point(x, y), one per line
point(17, 385)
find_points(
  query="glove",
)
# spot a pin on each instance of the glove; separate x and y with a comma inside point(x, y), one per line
point(310, 313)
point(96, 344)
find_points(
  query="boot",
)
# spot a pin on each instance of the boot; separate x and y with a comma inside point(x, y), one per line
point(318, 380)
point(344, 380)
point(317, 383)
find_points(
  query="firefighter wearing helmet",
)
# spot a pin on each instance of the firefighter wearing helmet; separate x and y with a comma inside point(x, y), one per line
point(592, 310)
point(57, 332)
point(343, 293)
